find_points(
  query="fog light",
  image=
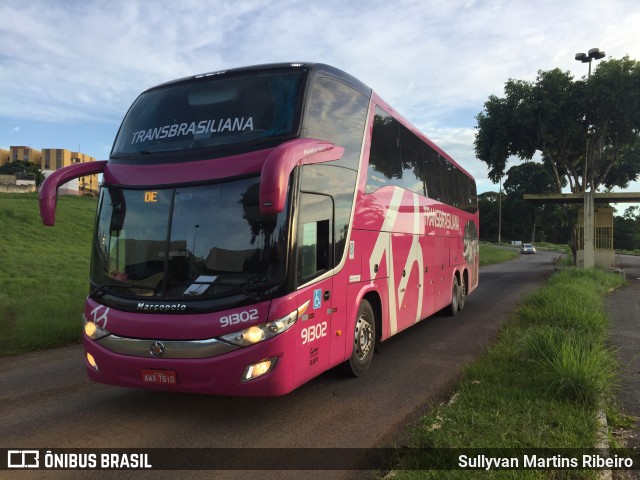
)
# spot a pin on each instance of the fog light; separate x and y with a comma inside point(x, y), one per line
point(92, 361)
point(258, 369)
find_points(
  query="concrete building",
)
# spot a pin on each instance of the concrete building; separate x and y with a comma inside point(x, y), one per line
point(25, 154)
point(51, 159)
point(57, 158)
point(4, 156)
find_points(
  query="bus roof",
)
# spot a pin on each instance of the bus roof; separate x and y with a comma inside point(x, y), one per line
point(316, 69)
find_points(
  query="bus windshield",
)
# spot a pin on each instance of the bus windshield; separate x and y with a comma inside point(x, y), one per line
point(211, 112)
point(187, 243)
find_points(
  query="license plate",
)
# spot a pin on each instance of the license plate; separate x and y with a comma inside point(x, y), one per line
point(166, 377)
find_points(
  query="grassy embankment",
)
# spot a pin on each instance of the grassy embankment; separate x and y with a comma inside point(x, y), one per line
point(490, 254)
point(44, 272)
point(541, 384)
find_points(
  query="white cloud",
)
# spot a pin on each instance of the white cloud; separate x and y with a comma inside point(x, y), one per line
point(435, 62)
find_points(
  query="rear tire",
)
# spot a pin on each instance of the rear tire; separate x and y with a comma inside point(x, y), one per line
point(462, 295)
point(364, 340)
point(452, 309)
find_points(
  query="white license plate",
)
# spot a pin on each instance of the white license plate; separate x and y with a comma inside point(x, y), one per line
point(164, 377)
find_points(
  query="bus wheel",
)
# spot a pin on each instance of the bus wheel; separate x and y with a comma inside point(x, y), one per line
point(455, 299)
point(462, 296)
point(363, 341)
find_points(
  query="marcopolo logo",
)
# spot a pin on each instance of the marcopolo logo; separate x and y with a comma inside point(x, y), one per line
point(161, 307)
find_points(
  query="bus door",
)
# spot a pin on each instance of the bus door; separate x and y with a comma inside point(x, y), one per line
point(315, 257)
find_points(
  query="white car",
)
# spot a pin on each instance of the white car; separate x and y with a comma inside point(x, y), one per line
point(527, 248)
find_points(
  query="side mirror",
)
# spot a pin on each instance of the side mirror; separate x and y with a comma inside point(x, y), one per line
point(281, 162)
point(49, 188)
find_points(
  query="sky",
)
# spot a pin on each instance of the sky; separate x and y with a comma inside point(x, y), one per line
point(69, 69)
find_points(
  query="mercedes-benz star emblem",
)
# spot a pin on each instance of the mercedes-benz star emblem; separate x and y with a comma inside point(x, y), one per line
point(156, 349)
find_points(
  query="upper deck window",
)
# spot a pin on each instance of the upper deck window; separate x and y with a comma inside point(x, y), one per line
point(211, 112)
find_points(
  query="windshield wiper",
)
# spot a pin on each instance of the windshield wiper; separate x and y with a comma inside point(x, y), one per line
point(240, 289)
point(101, 289)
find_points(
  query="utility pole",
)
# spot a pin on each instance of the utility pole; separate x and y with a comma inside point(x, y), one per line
point(587, 237)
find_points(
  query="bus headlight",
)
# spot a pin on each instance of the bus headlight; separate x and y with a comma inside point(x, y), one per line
point(259, 333)
point(95, 332)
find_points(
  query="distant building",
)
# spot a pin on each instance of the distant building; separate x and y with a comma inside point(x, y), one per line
point(57, 158)
point(25, 154)
point(5, 155)
point(18, 183)
point(51, 159)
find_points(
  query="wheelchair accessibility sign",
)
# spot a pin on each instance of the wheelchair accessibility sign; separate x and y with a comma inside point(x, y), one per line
point(317, 298)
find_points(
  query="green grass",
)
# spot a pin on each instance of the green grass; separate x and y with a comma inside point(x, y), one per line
point(553, 247)
point(539, 385)
point(490, 254)
point(635, 252)
point(45, 272)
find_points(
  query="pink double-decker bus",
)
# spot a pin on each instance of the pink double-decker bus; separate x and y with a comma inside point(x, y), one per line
point(258, 226)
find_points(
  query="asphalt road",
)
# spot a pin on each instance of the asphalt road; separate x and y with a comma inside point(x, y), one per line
point(46, 401)
point(623, 308)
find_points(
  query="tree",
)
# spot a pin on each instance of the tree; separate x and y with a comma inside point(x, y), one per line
point(529, 177)
point(597, 118)
point(587, 130)
point(524, 217)
point(488, 207)
point(20, 167)
point(627, 230)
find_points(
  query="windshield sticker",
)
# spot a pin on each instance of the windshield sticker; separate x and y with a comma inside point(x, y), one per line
point(237, 124)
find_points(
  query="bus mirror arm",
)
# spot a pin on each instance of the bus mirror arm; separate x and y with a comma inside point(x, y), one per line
point(49, 189)
point(280, 163)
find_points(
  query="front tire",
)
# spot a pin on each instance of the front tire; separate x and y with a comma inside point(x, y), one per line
point(364, 340)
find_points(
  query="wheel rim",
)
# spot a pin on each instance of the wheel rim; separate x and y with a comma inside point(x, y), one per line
point(463, 293)
point(363, 338)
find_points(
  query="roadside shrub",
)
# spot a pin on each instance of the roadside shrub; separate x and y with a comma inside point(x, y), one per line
point(578, 370)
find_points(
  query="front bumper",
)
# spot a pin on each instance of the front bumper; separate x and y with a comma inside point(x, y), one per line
point(214, 375)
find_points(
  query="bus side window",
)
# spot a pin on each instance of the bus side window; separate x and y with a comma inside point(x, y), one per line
point(315, 239)
point(385, 161)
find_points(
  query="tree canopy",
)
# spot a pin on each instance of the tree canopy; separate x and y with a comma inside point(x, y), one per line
point(20, 167)
point(586, 130)
point(522, 220)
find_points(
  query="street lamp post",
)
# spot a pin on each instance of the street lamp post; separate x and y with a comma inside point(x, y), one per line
point(594, 54)
point(500, 213)
point(589, 254)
